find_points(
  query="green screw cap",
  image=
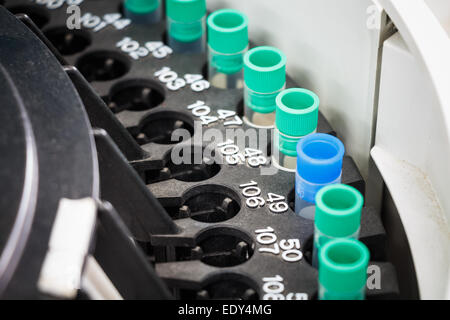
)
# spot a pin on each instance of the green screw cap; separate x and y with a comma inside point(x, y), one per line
point(265, 69)
point(228, 31)
point(186, 10)
point(141, 6)
point(343, 267)
point(297, 112)
point(338, 210)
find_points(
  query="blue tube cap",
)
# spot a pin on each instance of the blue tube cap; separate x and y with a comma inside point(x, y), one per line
point(319, 158)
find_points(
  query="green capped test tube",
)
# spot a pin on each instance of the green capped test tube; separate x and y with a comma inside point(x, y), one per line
point(297, 112)
point(338, 215)
point(343, 270)
point(265, 78)
point(186, 25)
point(227, 45)
point(143, 11)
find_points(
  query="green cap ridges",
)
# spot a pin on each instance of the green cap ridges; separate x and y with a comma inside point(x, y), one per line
point(141, 6)
point(185, 19)
point(228, 31)
point(343, 268)
point(265, 69)
point(338, 210)
point(186, 10)
point(297, 112)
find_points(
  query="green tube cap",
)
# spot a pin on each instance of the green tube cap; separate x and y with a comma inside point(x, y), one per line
point(228, 31)
point(265, 69)
point(141, 6)
point(186, 10)
point(297, 112)
point(343, 266)
point(338, 210)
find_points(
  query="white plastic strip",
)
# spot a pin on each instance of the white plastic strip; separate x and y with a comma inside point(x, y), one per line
point(68, 246)
point(96, 283)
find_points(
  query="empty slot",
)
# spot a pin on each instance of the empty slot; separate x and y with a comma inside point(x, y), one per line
point(68, 42)
point(220, 247)
point(135, 95)
point(207, 203)
point(196, 166)
point(103, 65)
point(228, 287)
point(158, 127)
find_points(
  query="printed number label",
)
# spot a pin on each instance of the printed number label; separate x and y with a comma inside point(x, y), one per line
point(274, 287)
point(174, 82)
point(55, 4)
point(201, 110)
point(232, 156)
point(90, 21)
point(251, 190)
point(289, 248)
point(136, 51)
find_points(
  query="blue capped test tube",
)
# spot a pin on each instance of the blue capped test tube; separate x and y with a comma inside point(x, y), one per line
point(319, 163)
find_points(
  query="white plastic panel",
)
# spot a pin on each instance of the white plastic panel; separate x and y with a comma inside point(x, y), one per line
point(407, 142)
point(441, 9)
point(412, 150)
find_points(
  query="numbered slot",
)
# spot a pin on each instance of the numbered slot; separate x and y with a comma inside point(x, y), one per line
point(228, 287)
point(221, 247)
point(174, 82)
point(135, 95)
point(186, 163)
point(103, 65)
point(207, 203)
point(159, 127)
point(69, 42)
point(276, 203)
point(287, 249)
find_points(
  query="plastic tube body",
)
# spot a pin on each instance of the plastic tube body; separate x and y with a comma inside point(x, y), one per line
point(226, 78)
point(319, 163)
point(305, 192)
point(186, 25)
point(259, 107)
point(143, 11)
point(193, 42)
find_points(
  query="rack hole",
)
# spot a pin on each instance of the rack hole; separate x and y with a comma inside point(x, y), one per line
point(220, 247)
point(208, 203)
point(135, 95)
point(193, 171)
point(228, 287)
point(158, 127)
point(200, 166)
point(38, 15)
point(103, 65)
point(226, 248)
point(69, 42)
